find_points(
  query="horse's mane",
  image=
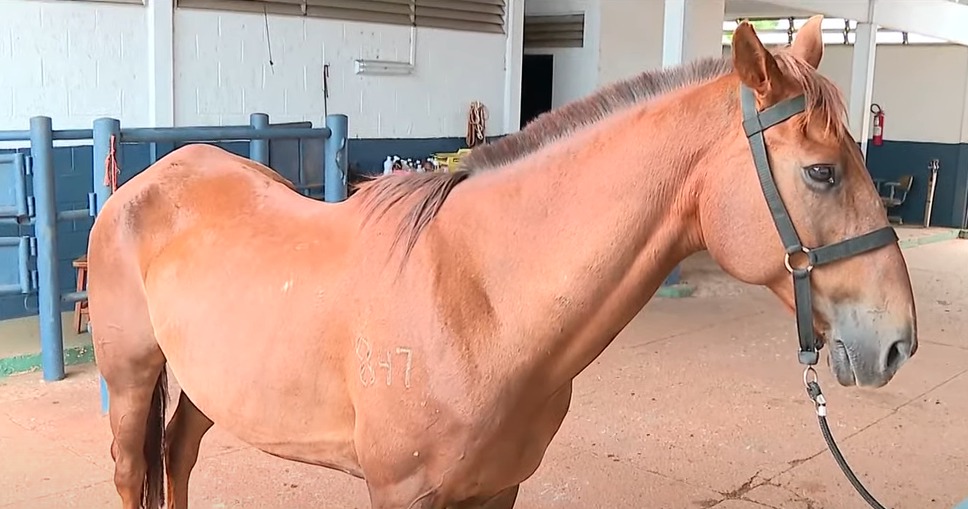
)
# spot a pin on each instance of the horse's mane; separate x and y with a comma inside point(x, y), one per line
point(428, 191)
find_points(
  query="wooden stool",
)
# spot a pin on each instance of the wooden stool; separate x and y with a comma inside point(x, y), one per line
point(80, 307)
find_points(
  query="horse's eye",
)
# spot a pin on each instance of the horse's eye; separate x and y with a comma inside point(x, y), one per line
point(821, 173)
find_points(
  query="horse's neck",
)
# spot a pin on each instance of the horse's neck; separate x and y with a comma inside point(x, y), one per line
point(576, 239)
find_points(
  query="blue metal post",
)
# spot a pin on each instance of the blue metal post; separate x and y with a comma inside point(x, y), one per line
point(674, 277)
point(45, 229)
point(104, 128)
point(259, 149)
point(105, 398)
point(337, 156)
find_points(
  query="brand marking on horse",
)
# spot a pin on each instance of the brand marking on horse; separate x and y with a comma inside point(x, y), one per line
point(364, 352)
point(406, 370)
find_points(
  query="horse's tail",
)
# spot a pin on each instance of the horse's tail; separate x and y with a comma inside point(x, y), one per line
point(153, 491)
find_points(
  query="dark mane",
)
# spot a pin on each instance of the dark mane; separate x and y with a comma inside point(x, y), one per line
point(579, 114)
point(426, 192)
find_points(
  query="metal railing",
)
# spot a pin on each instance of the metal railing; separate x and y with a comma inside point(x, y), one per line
point(45, 215)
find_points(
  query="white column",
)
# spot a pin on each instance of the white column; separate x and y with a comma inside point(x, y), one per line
point(692, 29)
point(961, 178)
point(862, 83)
point(674, 33)
point(161, 67)
point(513, 57)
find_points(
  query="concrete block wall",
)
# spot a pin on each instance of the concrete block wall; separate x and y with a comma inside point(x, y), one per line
point(73, 61)
point(222, 74)
point(76, 61)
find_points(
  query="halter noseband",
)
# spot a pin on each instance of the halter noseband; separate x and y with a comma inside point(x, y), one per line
point(754, 123)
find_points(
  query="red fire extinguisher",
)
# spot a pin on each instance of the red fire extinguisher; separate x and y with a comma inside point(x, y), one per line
point(878, 124)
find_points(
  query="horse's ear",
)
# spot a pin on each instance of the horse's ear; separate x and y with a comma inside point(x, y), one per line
point(755, 65)
point(808, 44)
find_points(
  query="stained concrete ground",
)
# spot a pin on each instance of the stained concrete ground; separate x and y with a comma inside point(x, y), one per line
point(697, 404)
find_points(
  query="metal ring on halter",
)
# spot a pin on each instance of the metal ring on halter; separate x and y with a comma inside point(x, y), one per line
point(789, 266)
point(809, 375)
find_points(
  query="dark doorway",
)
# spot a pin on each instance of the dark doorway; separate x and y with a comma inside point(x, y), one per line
point(537, 83)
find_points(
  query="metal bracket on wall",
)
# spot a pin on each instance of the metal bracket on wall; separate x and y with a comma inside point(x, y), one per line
point(92, 204)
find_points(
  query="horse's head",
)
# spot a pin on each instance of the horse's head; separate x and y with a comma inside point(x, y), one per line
point(862, 302)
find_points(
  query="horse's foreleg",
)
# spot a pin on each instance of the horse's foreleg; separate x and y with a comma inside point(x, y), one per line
point(184, 436)
point(396, 499)
point(503, 500)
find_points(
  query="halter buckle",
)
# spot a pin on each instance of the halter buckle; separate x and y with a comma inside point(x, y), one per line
point(789, 266)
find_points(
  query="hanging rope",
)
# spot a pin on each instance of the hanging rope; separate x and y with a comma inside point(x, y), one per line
point(476, 124)
point(111, 168)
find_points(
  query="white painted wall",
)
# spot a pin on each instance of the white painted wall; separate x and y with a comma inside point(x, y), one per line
point(631, 38)
point(222, 73)
point(94, 61)
point(622, 38)
point(921, 88)
point(72, 61)
point(575, 69)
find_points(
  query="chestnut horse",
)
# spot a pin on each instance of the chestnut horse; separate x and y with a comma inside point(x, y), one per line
point(423, 335)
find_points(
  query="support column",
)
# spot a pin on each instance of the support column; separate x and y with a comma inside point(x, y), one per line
point(513, 58)
point(862, 84)
point(335, 166)
point(45, 229)
point(104, 129)
point(259, 149)
point(161, 68)
point(691, 29)
point(674, 33)
point(960, 206)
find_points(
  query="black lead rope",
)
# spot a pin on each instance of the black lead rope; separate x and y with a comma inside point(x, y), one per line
point(754, 124)
point(813, 390)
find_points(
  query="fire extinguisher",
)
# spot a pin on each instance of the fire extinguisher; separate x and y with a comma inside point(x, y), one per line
point(878, 124)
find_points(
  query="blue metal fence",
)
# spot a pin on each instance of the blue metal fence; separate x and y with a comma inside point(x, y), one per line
point(18, 207)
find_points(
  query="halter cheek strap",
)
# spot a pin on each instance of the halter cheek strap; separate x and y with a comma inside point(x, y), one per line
point(754, 124)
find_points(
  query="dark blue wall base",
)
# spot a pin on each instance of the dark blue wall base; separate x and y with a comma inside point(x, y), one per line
point(369, 154)
point(896, 158)
point(73, 174)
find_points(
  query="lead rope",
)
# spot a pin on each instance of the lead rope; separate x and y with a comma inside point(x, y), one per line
point(810, 380)
point(476, 124)
point(111, 168)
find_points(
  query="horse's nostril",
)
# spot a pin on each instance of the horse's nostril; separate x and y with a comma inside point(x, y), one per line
point(898, 352)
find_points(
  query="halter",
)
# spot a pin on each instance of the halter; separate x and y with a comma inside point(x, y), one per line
point(754, 123)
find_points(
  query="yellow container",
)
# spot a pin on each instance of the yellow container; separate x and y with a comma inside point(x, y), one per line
point(449, 160)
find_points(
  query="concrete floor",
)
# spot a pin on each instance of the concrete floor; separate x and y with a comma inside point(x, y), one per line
point(698, 404)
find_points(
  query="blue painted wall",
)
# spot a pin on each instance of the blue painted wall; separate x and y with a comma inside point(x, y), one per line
point(73, 172)
point(895, 158)
point(369, 154)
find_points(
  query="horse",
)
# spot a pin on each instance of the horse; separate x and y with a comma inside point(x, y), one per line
point(423, 335)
